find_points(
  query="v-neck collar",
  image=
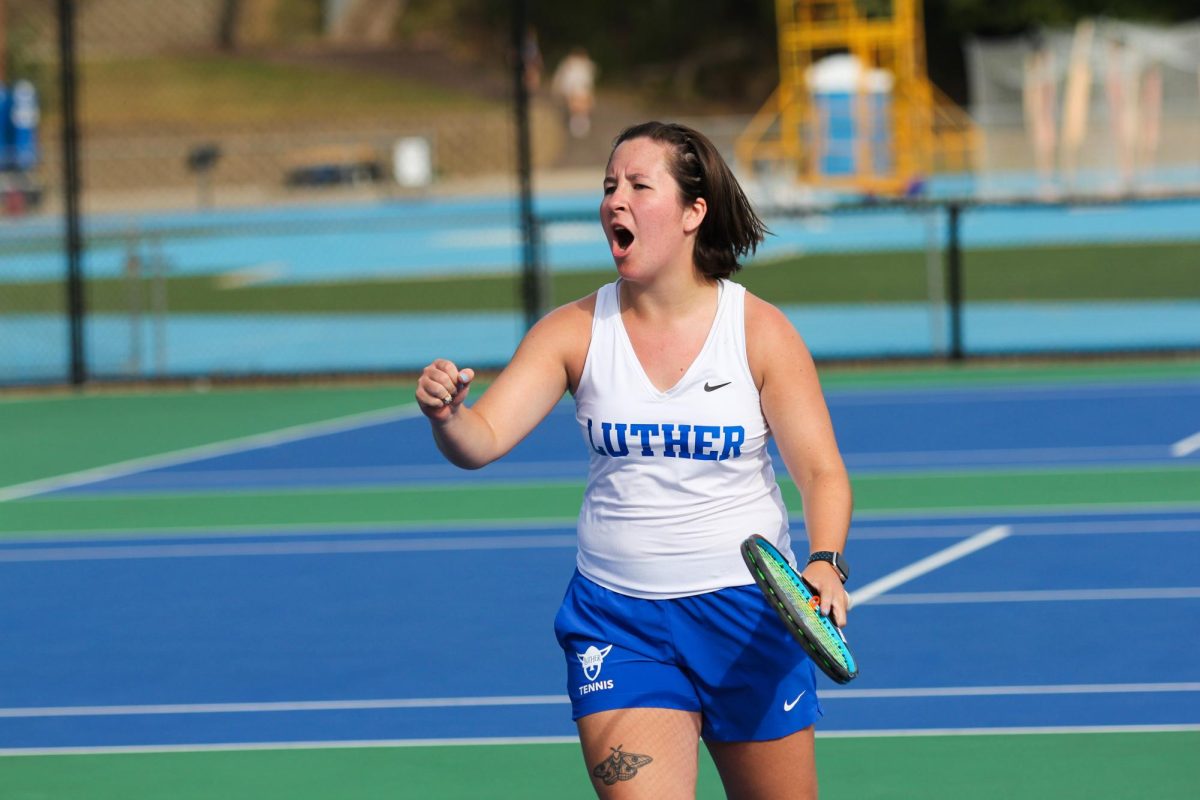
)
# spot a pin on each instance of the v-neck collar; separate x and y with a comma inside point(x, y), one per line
point(641, 370)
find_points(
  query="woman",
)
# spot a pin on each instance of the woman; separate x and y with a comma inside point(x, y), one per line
point(679, 377)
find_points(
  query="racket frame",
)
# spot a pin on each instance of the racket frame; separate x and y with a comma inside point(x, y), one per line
point(756, 547)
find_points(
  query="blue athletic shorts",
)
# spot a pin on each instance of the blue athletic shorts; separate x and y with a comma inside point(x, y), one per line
point(724, 654)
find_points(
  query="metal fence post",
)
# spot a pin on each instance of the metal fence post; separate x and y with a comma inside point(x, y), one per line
point(532, 294)
point(66, 56)
point(954, 283)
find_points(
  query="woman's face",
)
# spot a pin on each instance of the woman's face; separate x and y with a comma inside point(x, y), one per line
point(647, 226)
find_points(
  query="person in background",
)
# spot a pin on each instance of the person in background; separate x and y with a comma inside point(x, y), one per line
point(574, 83)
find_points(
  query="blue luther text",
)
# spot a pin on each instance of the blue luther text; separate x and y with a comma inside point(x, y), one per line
point(666, 440)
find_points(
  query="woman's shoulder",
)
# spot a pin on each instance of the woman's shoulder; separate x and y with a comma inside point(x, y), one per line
point(765, 319)
point(573, 314)
point(771, 337)
point(565, 331)
point(565, 334)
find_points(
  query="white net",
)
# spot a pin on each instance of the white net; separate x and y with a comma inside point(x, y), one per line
point(1108, 105)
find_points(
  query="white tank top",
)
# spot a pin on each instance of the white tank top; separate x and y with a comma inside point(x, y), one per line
point(676, 479)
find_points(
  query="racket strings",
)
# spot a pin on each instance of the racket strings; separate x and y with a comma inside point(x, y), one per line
point(817, 625)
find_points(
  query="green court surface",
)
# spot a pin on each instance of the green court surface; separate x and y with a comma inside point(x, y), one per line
point(163, 512)
point(1160, 765)
point(44, 437)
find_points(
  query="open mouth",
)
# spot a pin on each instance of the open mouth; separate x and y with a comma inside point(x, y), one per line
point(622, 236)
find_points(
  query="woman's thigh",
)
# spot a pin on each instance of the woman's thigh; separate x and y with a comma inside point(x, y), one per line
point(641, 752)
point(776, 769)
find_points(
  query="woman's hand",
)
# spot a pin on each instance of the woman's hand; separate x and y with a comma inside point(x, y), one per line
point(442, 388)
point(827, 584)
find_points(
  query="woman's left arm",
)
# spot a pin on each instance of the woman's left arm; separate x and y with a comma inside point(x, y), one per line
point(795, 410)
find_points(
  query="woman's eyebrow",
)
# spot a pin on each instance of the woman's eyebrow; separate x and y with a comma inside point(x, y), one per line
point(633, 176)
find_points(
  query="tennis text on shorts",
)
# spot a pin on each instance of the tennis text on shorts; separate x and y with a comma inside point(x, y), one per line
point(668, 440)
point(592, 660)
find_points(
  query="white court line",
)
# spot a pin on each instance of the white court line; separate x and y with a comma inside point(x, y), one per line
point(268, 478)
point(347, 744)
point(1010, 691)
point(1009, 731)
point(900, 531)
point(227, 447)
point(1038, 596)
point(225, 549)
point(930, 563)
point(45, 712)
point(1003, 457)
point(88, 536)
point(1132, 526)
point(282, 707)
point(501, 741)
point(983, 513)
point(1135, 525)
point(990, 393)
point(353, 744)
point(1186, 446)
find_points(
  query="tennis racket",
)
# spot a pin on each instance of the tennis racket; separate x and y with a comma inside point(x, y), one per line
point(793, 599)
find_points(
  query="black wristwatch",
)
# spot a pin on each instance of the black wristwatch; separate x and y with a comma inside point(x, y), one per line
point(835, 559)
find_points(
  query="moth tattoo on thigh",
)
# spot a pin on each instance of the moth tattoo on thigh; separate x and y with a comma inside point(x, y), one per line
point(620, 766)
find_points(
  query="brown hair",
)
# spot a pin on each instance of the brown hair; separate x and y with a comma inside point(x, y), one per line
point(730, 228)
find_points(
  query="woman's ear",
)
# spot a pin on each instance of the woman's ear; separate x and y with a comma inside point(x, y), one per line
point(694, 214)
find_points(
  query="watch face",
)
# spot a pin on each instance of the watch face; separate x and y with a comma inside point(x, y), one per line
point(840, 565)
point(835, 559)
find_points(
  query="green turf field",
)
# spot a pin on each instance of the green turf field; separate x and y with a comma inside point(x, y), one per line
point(1130, 272)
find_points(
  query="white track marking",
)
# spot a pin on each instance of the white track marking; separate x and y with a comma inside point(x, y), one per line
point(252, 275)
point(253, 442)
point(46, 712)
point(1185, 447)
point(930, 563)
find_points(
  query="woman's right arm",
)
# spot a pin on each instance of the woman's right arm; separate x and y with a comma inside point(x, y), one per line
point(545, 365)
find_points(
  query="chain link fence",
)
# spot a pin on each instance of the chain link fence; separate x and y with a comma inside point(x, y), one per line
point(275, 187)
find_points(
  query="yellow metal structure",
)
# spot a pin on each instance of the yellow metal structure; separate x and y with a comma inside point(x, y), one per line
point(899, 134)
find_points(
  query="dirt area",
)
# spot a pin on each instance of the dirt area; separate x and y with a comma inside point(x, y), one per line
point(615, 109)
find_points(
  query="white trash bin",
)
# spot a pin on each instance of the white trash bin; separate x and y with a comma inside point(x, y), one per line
point(412, 162)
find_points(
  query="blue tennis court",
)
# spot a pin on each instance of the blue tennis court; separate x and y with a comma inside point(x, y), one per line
point(1043, 615)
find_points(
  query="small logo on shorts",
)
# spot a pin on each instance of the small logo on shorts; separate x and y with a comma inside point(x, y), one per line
point(592, 660)
point(789, 706)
